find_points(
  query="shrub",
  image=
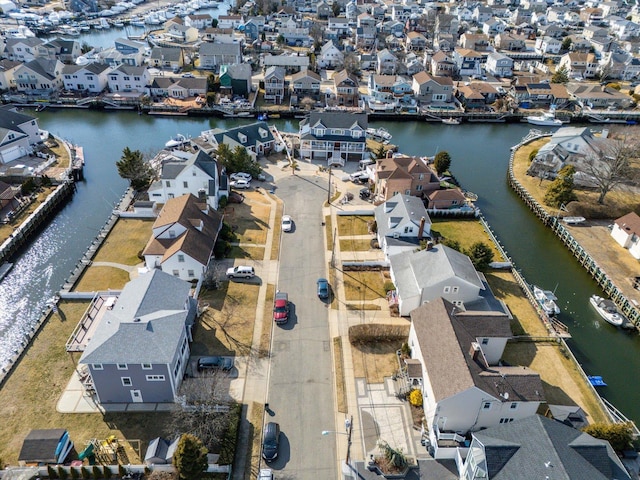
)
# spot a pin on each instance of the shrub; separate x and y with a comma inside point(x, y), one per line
point(106, 472)
point(619, 435)
point(533, 154)
point(230, 440)
point(377, 332)
point(222, 203)
point(73, 472)
point(51, 472)
point(97, 471)
point(614, 85)
point(388, 286)
point(415, 398)
point(405, 349)
point(62, 473)
point(86, 474)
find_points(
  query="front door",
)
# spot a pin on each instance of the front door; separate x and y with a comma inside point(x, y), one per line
point(136, 396)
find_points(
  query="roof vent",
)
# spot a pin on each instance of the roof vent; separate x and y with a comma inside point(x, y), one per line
point(136, 320)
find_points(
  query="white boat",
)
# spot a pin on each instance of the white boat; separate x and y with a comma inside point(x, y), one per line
point(607, 310)
point(5, 268)
point(452, 121)
point(380, 134)
point(573, 220)
point(547, 300)
point(176, 141)
point(546, 119)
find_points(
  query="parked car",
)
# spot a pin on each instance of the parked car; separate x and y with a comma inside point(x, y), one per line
point(188, 75)
point(287, 223)
point(241, 183)
point(360, 176)
point(271, 441)
point(262, 177)
point(241, 271)
point(235, 197)
point(365, 194)
point(323, 288)
point(241, 176)
point(215, 363)
point(265, 474)
point(281, 308)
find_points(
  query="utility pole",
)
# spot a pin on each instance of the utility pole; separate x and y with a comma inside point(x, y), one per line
point(329, 188)
point(348, 423)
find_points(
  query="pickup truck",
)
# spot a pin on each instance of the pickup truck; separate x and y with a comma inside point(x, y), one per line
point(281, 308)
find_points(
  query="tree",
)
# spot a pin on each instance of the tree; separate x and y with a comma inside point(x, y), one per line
point(316, 32)
point(619, 435)
point(566, 44)
point(561, 75)
point(134, 168)
point(214, 23)
point(481, 255)
point(561, 189)
point(190, 458)
point(335, 8)
point(352, 63)
point(380, 152)
point(610, 164)
point(442, 162)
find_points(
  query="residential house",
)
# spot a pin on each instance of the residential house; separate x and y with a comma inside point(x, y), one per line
point(499, 65)
point(9, 197)
point(478, 42)
point(253, 27)
point(446, 199)
point(591, 16)
point(444, 42)
point(187, 87)
point(401, 174)
point(624, 29)
point(387, 63)
point(547, 46)
point(256, 138)
point(432, 89)
point(340, 25)
point(7, 73)
point(347, 88)
point(235, 79)
point(476, 94)
point(447, 23)
point(481, 14)
point(402, 223)
point(125, 78)
point(127, 51)
point(274, 85)
point(296, 36)
point(464, 388)
point(413, 64)
point(599, 96)
point(626, 231)
point(213, 55)
point(178, 33)
point(290, 63)
point(551, 30)
point(620, 65)
point(336, 137)
point(388, 88)
point(517, 449)
point(18, 133)
point(67, 51)
point(579, 65)
point(392, 27)
point(166, 57)
point(493, 27)
point(91, 78)
point(230, 21)
point(330, 56)
point(442, 64)
point(323, 10)
point(415, 42)
point(510, 42)
point(468, 62)
point(183, 236)
point(22, 49)
point(306, 84)
point(139, 351)
point(366, 36)
point(199, 21)
point(222, 35)
point(198, 175)
point(568, 145)
point(39, 75)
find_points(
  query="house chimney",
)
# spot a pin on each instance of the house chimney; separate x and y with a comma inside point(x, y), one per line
point(421, 228)
point(389, 153)
point(474, 351)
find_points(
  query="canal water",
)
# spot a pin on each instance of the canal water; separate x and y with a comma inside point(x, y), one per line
point(479, 154)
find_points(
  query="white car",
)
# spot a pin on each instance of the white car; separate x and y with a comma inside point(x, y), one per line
point(241, 184)
point(265, 474)
point(241, 176)
point(287, 223)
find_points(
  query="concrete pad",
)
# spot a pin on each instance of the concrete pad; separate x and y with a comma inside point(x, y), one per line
point(114, 407)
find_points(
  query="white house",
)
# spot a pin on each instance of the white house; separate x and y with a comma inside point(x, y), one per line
point(499, 65)
point(402, 223)
point(7, 73)
point(18, 133)
point(86, 78)
point(40, 75)
point(463, 386)
point(572, 145)
point(183, 237)
point(435, 272)
point(198, 175)
point(626, 231)
point(125, 78)
point(330, 56)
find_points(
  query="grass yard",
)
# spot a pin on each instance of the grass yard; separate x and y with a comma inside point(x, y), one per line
point(7, 229)
point(39, 379)
point(354, 245)
point(226, 327)
point(349, 225)
point(364, 285)
point(95, 279)
point(250, 220)
point(375, 361)
point(267, 320)
point(277, 229)
point(328, 231)
point(127, 238)
point(341, 392)
point(466, 232)
point(253, 253)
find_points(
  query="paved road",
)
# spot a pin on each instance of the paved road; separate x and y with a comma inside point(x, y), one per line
point(301, 383)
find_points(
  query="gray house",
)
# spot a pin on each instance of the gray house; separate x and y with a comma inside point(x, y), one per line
point(402, 222)
point(212, 55)
point(140, 349)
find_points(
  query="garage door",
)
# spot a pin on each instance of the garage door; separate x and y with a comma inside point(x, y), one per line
point(10, 154)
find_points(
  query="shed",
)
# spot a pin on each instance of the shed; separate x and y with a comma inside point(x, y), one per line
point(42, 447)
point(160, 451)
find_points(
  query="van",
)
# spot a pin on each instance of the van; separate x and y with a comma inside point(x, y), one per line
point(363, 164)
point(359, 176)
point(271, 441)
point(241, 271)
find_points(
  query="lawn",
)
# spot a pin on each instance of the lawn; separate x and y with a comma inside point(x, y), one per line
point(375, 361)
point(226, 327)
point(96, 279)
point(328, 231)
point(252, 253)
point(349, 225)
point(364, 285)
point(249, 220)
point(125, 241)
point(466, 232)
point(39, 379)
point(341, 393)
point(355, 245)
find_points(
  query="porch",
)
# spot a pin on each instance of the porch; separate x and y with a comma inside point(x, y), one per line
point(448, 445)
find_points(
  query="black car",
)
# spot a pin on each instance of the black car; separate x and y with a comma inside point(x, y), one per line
point(215, 363)
point(271, 441)
point(365, 194)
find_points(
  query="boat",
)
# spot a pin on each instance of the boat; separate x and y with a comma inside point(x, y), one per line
point(573, 220)
point(452, 121)
point(607, 310)
point(176, 141)
point(237, 114)
point(546, 119)
point(547, 300)
point(380, 134)
point(596, 381)
point(5, 268)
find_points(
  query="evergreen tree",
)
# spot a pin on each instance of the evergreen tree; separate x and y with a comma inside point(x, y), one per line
point(481, 255)
point(561, 75)
point(134, 168)
point(619, 435)
point(190, 458)
point(561, 189)
point(442, 162)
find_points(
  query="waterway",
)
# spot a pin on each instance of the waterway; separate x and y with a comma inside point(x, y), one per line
point(479, 154)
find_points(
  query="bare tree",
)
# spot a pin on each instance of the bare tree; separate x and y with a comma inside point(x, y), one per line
point(352, 63)
point(316, 31)
point(611, 164)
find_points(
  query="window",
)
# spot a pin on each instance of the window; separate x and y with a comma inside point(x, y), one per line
point(146, 366)
point(485, 341)
point(122, 366)
point(418, 188)
point(155, 378)
point(185, 184)
point(486, 405)
point(97, 366)
point(407, 192)
point(447, 289)
point(167, 183)
point(176, 273)
point(172, 234)
point(513, 406)
point(126, 381)
point(506, 420)
point(190, 273)
point(181, 258)
point(454, 289)
point(177, 369)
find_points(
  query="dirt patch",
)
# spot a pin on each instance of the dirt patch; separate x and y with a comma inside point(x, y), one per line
point(249, 220)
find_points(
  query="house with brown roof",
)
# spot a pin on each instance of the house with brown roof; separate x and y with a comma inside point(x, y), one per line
point(446, 199)
point(598, 96)
point(476, 94)
point(464, 387)
point(306, 84)
point(432, 89)
point(442, 64)
point(579, 65)
point(406, 175)
point(8, 199)
point(415, 42)
point(626, 231)
point(183, 237)
point(346, 86)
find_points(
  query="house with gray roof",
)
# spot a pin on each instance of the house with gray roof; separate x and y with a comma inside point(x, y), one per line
point(18, 133)
point(336, 137)
point(538, 447)
point(464, 387)
point(127, 78)
point(402, 223)
point(139, 351)
point(22, 49)
point(198, 174)
point(212, 55)
point(39, 75)
point(85, 78)
point(166, 57)
point(256, 138)
point(437, 271)
point(183, 237)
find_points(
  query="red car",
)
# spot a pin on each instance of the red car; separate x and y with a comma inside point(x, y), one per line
point(281, 308)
